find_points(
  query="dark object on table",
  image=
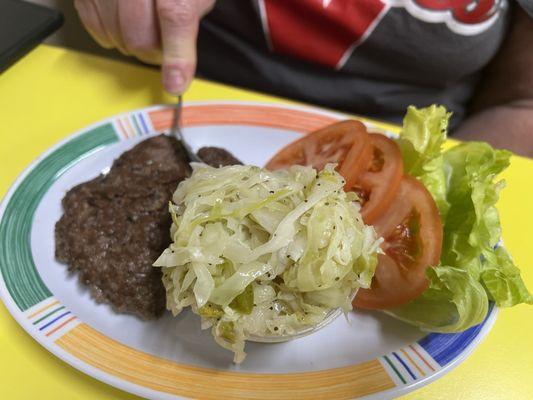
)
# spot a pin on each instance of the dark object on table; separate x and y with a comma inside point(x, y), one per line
point(115, 226)
point(22, 27)
point(217, 157)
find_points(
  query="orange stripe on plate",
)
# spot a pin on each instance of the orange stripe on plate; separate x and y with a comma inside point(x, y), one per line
point(40, 310)
point(226, 114)
point(422, 358)
point(60, 326)
point(122, 129)
point(131, 130)
point(167, 376)
point(413, 362)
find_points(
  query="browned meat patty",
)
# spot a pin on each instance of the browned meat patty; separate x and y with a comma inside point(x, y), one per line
point(217, 157)
point(115, 226)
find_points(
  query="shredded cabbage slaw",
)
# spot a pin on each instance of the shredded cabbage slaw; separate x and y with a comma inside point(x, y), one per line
point(260, 253)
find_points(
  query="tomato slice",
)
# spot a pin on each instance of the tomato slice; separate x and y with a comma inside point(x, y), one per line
point(412, 230)
point(378, 185)
point(346, 143)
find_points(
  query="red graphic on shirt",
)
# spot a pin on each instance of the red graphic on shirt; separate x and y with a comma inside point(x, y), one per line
point(319, 30)
point(465, 11)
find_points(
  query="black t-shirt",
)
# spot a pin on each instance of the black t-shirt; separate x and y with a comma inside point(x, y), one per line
point(371, 57)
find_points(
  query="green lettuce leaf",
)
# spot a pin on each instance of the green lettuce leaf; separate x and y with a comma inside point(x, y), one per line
point(462, 180)
point(472, 225)
point(502, 281)
point(421, 140)
point(454, 301)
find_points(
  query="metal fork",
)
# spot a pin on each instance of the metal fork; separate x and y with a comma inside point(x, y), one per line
point(176, 130)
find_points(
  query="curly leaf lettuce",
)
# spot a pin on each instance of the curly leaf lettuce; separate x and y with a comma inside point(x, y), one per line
point(454, 302)
point(421, 140)
point(501, 279)
point(462, 180)
point(472, 225)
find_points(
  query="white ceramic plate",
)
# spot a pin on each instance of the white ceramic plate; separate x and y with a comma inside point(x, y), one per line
point(370, 355)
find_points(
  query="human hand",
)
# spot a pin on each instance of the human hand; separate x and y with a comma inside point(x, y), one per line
point(161, 32)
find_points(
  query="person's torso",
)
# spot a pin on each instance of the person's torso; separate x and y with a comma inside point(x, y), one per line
point(371, 57)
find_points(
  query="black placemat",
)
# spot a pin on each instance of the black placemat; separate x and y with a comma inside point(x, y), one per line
point(22, 27)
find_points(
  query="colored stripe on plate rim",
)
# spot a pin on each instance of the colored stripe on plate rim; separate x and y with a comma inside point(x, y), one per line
point(404, 368)
point(171, 377)
point(445, 347)
point(132, 125)
point(50, 316)
point(240, 114)
point(16, 261)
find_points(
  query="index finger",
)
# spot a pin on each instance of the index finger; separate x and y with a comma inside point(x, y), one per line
point(179, 20)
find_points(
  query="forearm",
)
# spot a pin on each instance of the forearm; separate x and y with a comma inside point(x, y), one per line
point(502, 107)
point(508, 126)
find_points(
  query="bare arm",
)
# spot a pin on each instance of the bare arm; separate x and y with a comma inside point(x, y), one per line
point(502, 107)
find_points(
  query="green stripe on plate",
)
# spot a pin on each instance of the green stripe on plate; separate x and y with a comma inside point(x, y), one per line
point(137, 127)
point(16, 262)
point(47, 315)
point(395, 369)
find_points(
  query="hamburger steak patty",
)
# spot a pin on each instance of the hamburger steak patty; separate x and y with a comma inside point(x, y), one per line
point(217, 157)
point(116, 225)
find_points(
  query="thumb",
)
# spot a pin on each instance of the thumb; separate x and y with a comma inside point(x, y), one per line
point(179, 20)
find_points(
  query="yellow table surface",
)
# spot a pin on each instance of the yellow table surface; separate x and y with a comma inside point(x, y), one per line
point(53, 92)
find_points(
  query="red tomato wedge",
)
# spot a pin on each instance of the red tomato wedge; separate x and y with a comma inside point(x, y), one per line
point(412, 230)
point(378, 185)
point(346, 143)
